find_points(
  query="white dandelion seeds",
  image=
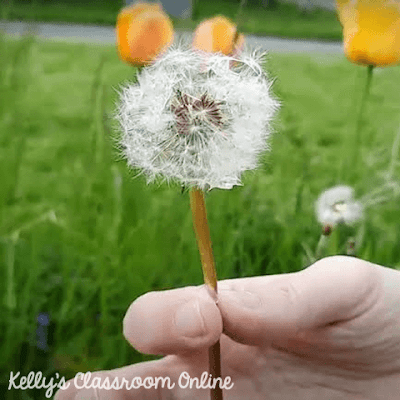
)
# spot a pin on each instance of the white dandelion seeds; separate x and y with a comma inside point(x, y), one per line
point(202, 124)
point(337, 205)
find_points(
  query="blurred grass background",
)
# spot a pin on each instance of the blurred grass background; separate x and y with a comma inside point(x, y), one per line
point(80, 239)
point(284, 20)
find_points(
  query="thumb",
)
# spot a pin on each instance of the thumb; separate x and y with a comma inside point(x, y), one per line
point(256, 311)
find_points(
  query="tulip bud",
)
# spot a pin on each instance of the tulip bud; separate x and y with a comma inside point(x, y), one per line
point(143, 32)
point(218, 34)
point(371, 31)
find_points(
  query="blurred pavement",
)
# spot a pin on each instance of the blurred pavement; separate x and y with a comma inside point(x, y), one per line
point(106, 35)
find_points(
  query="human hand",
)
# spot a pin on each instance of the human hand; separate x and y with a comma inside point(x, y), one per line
point(331, 331)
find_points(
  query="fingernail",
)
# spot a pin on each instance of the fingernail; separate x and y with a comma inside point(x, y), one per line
point(242, 298)
point(189, 320)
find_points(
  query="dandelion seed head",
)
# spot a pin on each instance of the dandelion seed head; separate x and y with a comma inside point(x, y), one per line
point(202, 124)
point(337, 205)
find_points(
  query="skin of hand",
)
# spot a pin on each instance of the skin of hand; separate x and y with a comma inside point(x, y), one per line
point(331, 331)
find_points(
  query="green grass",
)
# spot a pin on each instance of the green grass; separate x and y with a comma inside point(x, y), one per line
point(81, 239)
point(285, 21)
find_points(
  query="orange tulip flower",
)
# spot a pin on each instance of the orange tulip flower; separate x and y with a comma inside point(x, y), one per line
point(218, 34)
point(371, 31)
point(143, 32)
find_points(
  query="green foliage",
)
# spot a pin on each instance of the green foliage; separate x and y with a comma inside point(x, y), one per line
point(285, 20)
point(80, 238)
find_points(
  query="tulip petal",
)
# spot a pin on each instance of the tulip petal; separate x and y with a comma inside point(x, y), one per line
point(371, 31)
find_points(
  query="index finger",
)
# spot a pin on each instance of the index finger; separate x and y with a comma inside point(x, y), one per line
point(173, 322)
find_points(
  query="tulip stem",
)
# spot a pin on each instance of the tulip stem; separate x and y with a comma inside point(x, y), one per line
point(239, 15)
point(238, 20)
point(202, 231)
point(139, 69)
point(357, 144)
point(242, 5)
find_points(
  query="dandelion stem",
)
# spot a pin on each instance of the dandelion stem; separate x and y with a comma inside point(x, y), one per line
point(321, 246)
point(202, 231)
point(357, 143)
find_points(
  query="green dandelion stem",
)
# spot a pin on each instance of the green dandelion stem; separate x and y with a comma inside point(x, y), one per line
point(321, 246)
